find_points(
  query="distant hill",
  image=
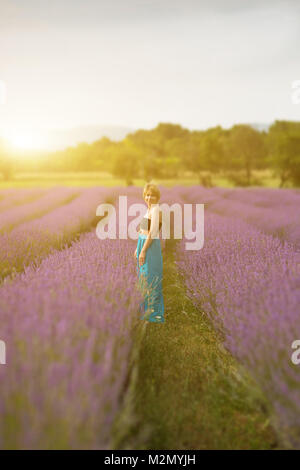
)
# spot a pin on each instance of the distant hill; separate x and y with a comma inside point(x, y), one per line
point(58, 139)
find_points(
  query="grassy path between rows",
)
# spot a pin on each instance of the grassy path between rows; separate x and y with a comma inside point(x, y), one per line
point(188, 392)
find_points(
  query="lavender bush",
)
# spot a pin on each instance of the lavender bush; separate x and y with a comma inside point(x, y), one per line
point(31, 241)
point(11, 196)
point(275, 211)
point(248, 284)
point(67, 328)
point(53, 198)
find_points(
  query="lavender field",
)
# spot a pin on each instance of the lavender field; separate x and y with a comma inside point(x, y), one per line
point(70, 320)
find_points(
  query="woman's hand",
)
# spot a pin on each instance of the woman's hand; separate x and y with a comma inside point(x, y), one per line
point(135, 253)
point(142, 257)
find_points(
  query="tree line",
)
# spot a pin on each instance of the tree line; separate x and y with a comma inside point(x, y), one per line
point(169, 150)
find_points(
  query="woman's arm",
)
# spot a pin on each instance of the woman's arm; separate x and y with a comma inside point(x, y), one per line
point(154, 227)
point(147, 243)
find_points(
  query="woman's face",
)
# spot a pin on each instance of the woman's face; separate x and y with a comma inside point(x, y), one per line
point(150, 198)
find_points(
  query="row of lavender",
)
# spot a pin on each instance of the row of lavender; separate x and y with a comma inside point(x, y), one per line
point(247, 282)
point(32, 240)
point(15, 215)
point(67, 327)
point(11, 197)
point(275, 211)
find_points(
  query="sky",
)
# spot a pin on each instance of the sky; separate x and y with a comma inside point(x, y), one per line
point(137, 63)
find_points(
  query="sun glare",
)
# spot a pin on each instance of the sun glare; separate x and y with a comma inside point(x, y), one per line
point(26, 141)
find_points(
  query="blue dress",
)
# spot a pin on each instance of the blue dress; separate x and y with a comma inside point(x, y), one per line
point(150, 276)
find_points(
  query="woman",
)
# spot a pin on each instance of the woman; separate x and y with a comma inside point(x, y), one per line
point(149, 257)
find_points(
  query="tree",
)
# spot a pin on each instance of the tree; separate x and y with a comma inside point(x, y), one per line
point(284, 151)
point(202, 152)
point(98, 153)
point(246, 148)
point(126, 161)
point(157, 146)
point(168, 131)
